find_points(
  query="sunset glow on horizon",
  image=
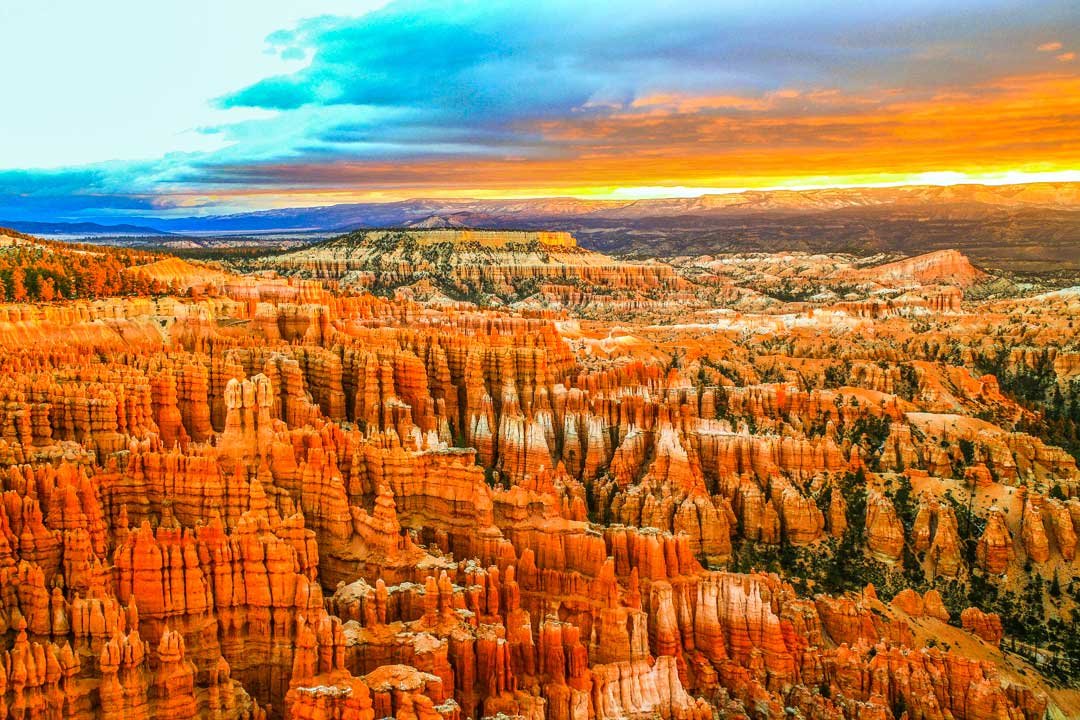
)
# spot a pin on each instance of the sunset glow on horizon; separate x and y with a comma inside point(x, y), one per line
point(269, 199)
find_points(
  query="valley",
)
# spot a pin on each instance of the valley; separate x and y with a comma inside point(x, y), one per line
point(451, 473)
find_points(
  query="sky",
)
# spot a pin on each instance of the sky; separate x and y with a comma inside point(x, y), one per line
point(126, 108)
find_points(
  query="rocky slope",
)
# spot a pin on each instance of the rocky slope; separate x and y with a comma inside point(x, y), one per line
point(944, 267)
point(280, 497)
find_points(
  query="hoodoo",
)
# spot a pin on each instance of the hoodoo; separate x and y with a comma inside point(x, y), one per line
point(279, 496)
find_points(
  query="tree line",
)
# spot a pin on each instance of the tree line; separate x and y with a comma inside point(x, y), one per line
point(44, 270)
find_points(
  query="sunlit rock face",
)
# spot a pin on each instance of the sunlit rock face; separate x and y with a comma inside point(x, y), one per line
point(275, 496)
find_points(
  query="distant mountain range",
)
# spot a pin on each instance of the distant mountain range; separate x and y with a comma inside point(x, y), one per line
point(78, 229)
point(1032, 226)
point(956, 199)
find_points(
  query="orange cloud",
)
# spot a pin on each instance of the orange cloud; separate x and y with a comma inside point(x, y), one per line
point(1013, 122)
point(1049, 47)
point(1067, 57)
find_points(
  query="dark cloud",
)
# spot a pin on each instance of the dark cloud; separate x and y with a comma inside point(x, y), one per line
point(511, 59)
point(108, 189)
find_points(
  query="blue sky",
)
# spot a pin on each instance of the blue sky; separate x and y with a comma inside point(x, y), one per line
point(122, 108)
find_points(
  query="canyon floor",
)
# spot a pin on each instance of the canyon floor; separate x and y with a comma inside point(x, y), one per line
point(440, 474)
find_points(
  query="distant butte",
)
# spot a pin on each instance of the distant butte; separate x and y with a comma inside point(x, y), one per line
point(949, 267)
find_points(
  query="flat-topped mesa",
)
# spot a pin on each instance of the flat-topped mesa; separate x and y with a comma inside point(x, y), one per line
point(488, 238)
point(413, 245)
point(496, 266)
